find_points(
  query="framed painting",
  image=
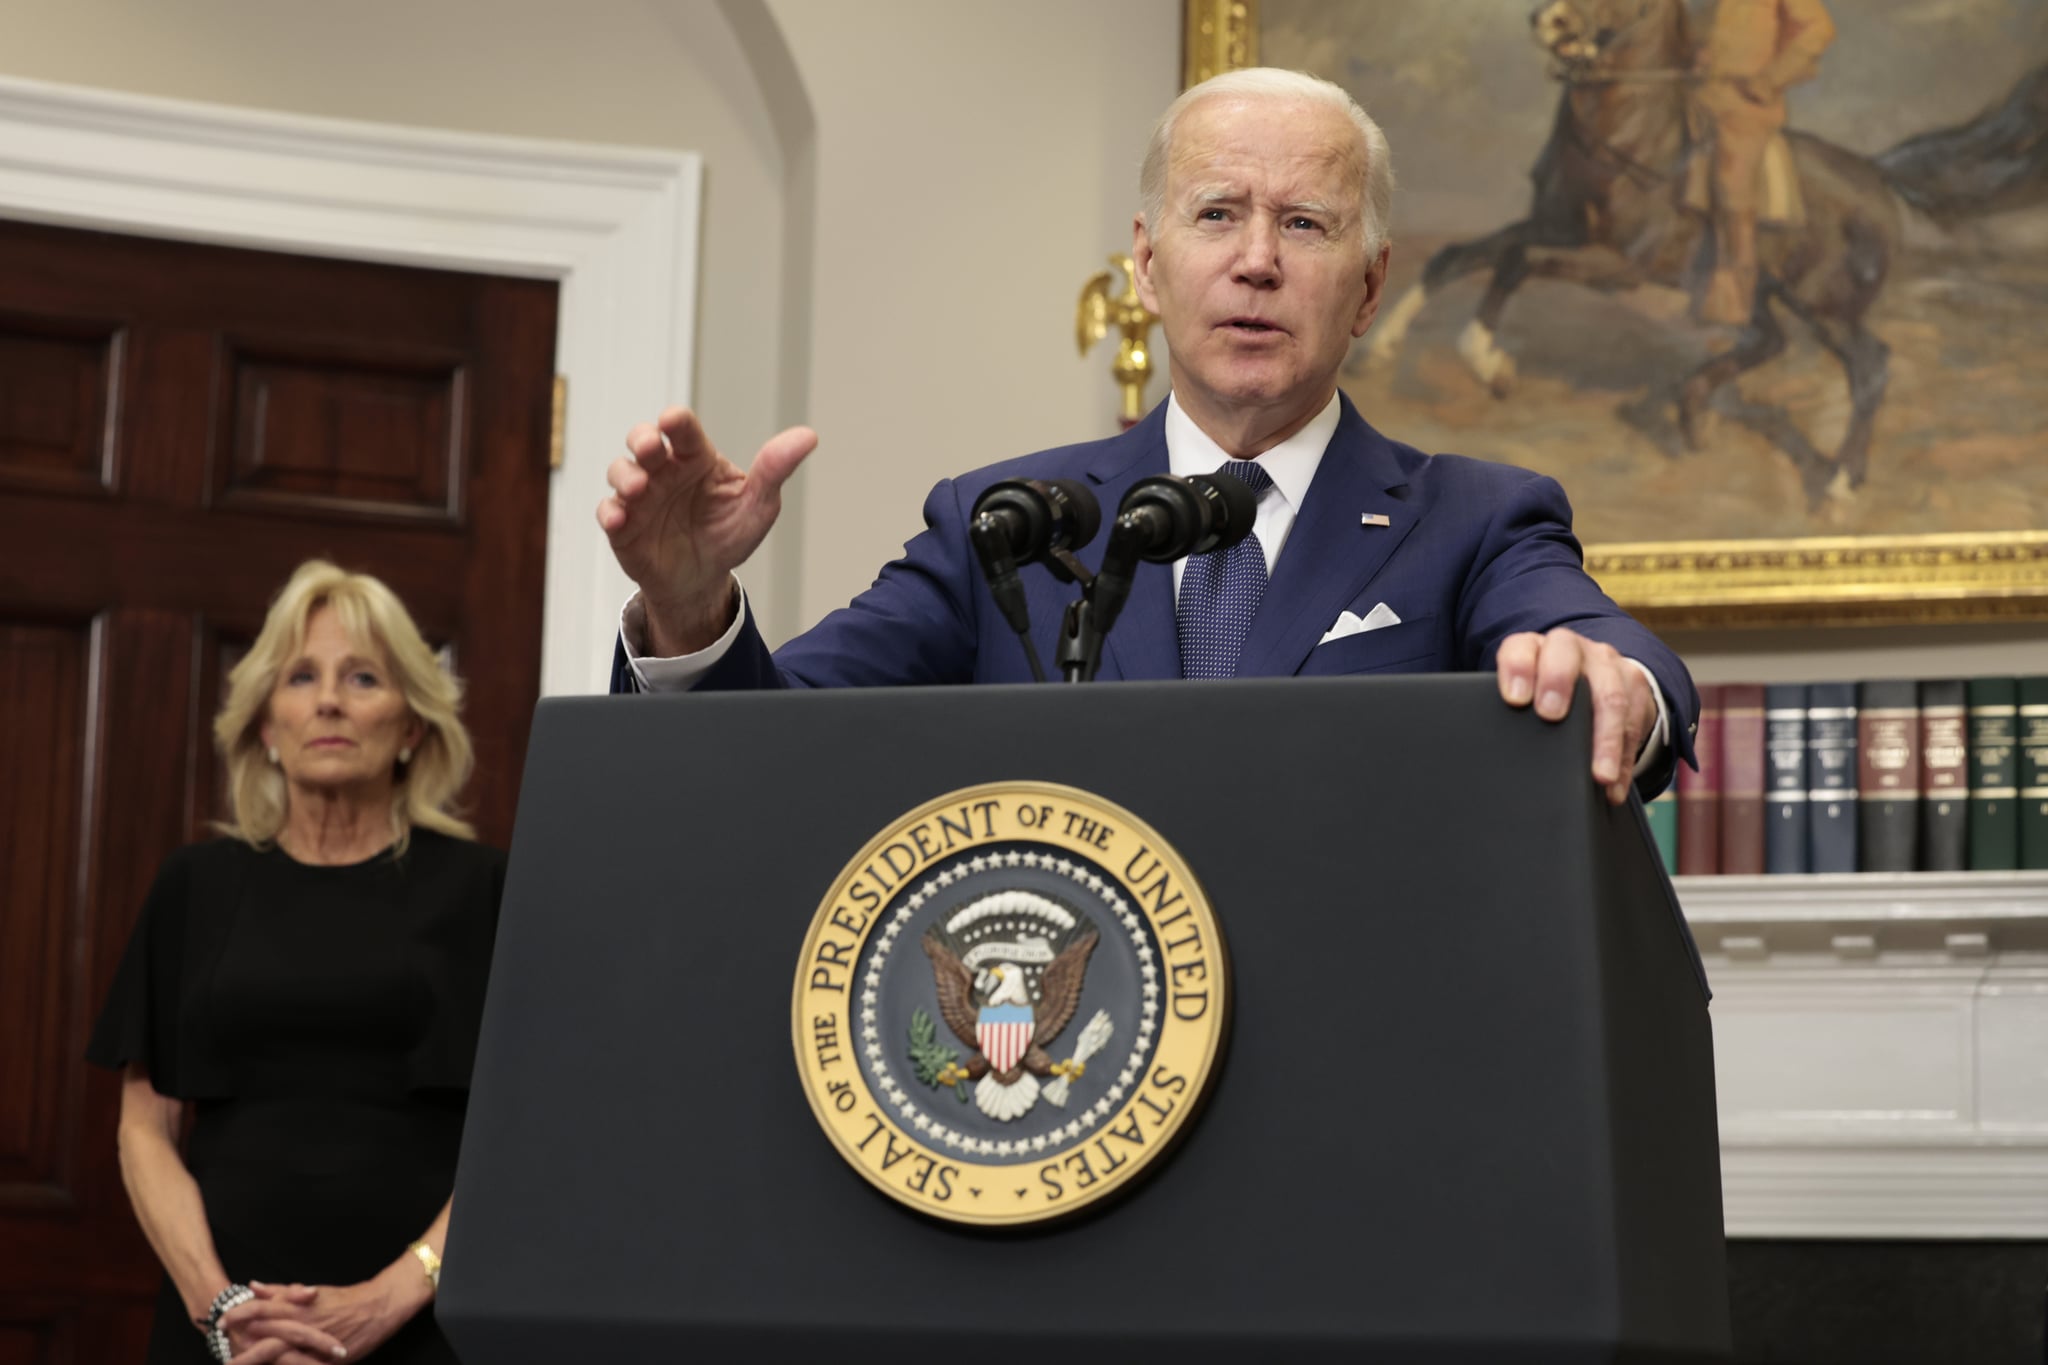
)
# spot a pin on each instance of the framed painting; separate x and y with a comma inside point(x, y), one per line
point(1763, 283)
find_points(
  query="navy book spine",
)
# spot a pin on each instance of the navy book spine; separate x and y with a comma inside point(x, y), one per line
point(1786, 833)
point(1831, 759)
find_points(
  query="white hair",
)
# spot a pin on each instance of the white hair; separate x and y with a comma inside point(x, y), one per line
point(1376, 198)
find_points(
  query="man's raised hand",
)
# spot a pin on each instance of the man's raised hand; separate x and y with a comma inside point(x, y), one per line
point(681, 517)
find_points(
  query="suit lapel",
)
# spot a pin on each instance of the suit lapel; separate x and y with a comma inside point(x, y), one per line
point(1142, 644)
point(1330, 556)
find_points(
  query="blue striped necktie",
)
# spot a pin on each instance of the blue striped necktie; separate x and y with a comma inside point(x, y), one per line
point(1220, 594)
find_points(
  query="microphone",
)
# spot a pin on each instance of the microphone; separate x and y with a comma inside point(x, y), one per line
point(1035, 517)
point(1021, 521)
point(1164, 518)
point(1170, 517)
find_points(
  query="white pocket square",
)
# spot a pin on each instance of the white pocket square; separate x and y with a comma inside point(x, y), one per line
point(1351, 623)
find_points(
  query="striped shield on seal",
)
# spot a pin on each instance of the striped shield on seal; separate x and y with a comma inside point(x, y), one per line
point(1004, 1032)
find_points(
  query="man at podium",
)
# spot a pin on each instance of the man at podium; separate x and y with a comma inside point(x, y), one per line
point(1262, 243)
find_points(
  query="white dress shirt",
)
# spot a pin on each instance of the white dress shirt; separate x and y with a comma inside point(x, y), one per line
point(1291, 466)
point(679, 674)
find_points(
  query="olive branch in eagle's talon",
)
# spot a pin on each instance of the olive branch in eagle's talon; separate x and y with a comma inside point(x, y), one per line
point(934, 1064)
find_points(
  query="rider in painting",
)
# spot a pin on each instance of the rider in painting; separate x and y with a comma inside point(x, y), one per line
point(1754, 51)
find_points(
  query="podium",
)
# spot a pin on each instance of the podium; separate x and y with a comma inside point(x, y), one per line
point(1465, 1110)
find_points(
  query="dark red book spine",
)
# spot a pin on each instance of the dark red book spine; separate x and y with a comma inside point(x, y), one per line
point(1699, 794)
point(1742, 779)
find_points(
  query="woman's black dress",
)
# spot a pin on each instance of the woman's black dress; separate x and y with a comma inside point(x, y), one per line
point(323, 1022)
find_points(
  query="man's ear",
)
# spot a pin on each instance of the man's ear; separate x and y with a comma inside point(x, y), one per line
point(1141, 263)
point(1375, 287)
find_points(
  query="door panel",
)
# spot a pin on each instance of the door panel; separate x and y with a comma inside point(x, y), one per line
point(42, 732)
point(55, 377)
point(333, 435)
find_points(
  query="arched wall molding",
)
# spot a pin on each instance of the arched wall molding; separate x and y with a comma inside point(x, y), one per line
point(616, 227)
point(781, 87)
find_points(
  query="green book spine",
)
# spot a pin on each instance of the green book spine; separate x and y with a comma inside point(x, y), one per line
point(1994, 775)
point(2033, 772)
point(1663, 813)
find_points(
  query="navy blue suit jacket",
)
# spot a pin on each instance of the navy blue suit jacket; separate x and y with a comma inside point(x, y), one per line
point(1473, 552)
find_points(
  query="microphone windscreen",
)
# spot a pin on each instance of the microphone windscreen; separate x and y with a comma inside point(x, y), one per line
point(1237, 505)
point(1084, 512)
point(1023, 513)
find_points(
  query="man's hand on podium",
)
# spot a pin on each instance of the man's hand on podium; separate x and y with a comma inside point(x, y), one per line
point(681, 517)
point(1548, 666)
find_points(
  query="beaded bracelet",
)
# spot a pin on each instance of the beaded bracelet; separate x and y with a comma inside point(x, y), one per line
point(217, 1340)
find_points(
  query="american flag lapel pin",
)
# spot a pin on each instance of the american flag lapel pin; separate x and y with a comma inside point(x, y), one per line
point(1374, 519)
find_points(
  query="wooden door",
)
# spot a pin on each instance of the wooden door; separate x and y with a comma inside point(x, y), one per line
point(180, 426)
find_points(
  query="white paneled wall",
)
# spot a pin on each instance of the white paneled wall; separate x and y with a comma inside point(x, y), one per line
point(1881, 1052)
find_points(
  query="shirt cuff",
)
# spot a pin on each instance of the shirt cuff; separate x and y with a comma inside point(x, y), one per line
point(678, 674)
point(1659, 738)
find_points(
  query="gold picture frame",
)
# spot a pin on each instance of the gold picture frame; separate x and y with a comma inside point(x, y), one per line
point(1809, 581)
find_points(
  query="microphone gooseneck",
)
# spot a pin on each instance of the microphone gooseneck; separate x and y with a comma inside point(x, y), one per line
point(1023, 521)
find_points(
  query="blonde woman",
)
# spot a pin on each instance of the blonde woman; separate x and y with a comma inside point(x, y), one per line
point(306, 990)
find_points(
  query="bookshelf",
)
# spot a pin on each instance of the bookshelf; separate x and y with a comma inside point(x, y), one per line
point(1881, 1051)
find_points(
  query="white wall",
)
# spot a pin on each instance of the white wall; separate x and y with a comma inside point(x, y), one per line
point(976, 163)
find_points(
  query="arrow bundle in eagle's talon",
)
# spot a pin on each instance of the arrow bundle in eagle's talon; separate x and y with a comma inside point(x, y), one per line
point(1092, 1039)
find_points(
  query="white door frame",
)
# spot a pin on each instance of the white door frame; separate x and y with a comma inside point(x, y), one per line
point(615, 227)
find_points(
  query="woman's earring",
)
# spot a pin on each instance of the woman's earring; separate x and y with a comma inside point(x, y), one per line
point(273, 754)
point(405, 754)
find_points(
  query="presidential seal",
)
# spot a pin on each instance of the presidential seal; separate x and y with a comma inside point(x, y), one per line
point(1010, 1004)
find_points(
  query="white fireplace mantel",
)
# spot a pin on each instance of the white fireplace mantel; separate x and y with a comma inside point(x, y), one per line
point(1881, 1052)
